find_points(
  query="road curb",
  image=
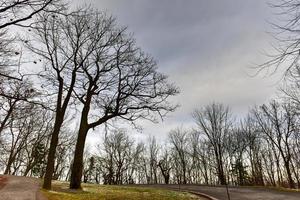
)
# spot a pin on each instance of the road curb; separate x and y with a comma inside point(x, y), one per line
point(202, 195)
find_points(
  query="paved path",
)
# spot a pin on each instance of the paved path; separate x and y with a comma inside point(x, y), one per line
point(21, 188)
point(236, 193)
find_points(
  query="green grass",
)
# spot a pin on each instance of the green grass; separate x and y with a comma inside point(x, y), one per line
point(104, 192)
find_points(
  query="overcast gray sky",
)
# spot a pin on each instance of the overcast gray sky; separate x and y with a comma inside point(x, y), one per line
point(206, 47)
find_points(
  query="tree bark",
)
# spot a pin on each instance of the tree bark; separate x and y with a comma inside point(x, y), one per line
point(9, 163)
point(61, 108)
point(77, 167)
point(52, 151)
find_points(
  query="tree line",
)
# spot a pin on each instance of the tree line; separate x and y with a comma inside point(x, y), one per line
point(261, 149)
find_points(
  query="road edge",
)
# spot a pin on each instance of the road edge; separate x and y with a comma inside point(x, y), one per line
point(201, 194)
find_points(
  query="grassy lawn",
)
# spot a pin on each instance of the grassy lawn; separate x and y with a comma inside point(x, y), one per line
point(105, 192)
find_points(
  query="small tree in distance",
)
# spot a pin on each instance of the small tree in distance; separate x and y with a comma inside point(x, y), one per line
point(214, 122)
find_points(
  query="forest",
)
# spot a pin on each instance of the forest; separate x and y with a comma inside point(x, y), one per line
point(66, 72)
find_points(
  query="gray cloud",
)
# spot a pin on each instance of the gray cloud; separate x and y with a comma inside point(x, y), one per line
point(205, 46)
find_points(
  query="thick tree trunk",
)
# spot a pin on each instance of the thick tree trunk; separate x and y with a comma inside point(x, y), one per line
point(166, 178)
point(61, 108)
point(77, 167)
point(52, 151)
point(165, 173)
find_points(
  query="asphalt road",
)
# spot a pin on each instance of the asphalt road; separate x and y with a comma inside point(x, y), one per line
point(235, 193)
point(21, 188)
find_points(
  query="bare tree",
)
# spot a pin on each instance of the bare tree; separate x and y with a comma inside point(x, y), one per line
point(19, 13)
point(64, 152)
point(15, 94)
point(253, 139)
point(61, 42)
point(153, 159)
point(278, 122)
point(165, 165)
point(200, 160)
point(179, 140)
point(25, 128)
point(287, 34)
point(118, 81)
point(214, 122)
point(37, 147)
point(236, 145)
point(116, 157)
point(134, 169)
point(7, 57)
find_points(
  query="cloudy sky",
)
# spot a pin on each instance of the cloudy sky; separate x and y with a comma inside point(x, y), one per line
point(206, 47)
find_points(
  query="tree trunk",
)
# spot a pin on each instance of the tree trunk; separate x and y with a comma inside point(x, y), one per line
point(52, 151)
point(77, 167)
point(221, 176)
point(8, 166)
point(11, 160)
point(27, 170)
point(290, 178)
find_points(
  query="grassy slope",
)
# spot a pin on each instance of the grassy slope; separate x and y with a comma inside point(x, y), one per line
point(100, 192)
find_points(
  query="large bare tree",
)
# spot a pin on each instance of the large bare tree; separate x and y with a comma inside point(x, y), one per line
point(61, 43)
point(118, 81)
